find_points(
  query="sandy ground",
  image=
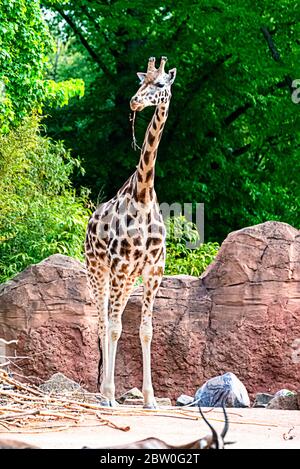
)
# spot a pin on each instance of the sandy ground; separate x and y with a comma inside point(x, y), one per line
point(249, 428)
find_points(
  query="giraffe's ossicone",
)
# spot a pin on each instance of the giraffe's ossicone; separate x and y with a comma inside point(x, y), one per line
point(126, 238)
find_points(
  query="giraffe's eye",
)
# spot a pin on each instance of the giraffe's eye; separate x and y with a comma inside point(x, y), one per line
point(160, 85)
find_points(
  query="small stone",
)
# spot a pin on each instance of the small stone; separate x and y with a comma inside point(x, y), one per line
point(284, 403)
point(160, 401)
point(59, 383)
point(132, 401)
point(262, 399)
point(133, 393)
point(184, 399)
point(163, 401)
point(227, 389)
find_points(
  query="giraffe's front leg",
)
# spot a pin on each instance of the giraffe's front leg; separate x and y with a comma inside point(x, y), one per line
point(151, 285)
point(119, 293)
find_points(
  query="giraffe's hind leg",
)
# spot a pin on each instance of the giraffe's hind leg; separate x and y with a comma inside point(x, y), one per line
point(99, 283)
point(120, 290)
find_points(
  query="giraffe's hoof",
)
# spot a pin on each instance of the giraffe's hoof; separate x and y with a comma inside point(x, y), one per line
point(108, 403)
point(150, 406)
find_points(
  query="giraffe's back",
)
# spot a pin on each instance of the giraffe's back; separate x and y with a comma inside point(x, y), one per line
point(124, 236)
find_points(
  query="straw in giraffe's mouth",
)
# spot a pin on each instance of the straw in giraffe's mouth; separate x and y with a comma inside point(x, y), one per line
point(136, 107)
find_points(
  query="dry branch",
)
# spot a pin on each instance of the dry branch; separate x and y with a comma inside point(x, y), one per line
point(8, 342)
point(32, 410)
point(111, 424)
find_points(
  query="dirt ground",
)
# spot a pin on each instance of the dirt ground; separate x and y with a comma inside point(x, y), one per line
point(249, 428)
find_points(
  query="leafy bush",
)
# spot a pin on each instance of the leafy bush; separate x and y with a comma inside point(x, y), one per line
point(182, 259)
point(25, 42)
point(40, 211)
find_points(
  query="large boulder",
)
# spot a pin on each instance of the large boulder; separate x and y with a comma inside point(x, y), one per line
point(49, 310)
point(242, 315)
point(226, 390)
point(254, 287)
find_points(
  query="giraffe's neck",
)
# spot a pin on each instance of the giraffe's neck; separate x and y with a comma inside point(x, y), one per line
point(146, 166)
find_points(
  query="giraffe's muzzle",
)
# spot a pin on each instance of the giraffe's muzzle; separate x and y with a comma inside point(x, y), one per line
point(135, 105)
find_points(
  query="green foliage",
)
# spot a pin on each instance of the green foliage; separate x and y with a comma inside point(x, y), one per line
point(24, 44)
point(40, 212)
point(232, 140)
point(60, 93)
point(182, 259)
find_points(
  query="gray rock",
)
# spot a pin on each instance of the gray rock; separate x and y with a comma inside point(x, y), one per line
point(59, 383)
point(227, 389)
point(132, 401)
point(290, 402)
point(133, 393)
point(163, 401)
point(284, 392)
point(184, 399)
point(262, 399)
point(160, 401)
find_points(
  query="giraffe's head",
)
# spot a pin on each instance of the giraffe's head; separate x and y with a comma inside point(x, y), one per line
point(155, 86)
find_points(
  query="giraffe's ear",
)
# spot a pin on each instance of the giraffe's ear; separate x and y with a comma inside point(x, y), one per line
point(172, 75)
point(141, 76)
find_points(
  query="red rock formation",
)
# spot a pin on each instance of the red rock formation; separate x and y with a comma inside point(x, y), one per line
point(254, 286)
point(49, 310)
point(242, 316)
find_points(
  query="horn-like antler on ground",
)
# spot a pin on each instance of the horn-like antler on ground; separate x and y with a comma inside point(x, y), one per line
point(213, 441)
point(15, 444)
point(226, 424)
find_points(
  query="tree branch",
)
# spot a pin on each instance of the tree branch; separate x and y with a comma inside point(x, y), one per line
point(85, 44)
point(276, 56)
point(272, 47)
point(242, 150)
point(236, 114)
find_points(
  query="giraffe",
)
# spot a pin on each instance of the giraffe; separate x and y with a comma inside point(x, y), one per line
point(125, 239)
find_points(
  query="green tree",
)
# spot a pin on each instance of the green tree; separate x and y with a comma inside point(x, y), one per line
point(24, 43)
point(182, 259)
point(232, 137)
point(40, 211)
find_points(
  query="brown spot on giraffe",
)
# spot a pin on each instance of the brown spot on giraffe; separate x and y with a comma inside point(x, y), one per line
point(154, 241)
point(140, 176)
point(137, 241)
point(115, 262)
point(142, 196)
point(137, 254)
point(113, 247)
point(149, 174)
point(146, 157)
point(154, 252)
point(114, 282)
point(151, 139)
point(125, 268)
